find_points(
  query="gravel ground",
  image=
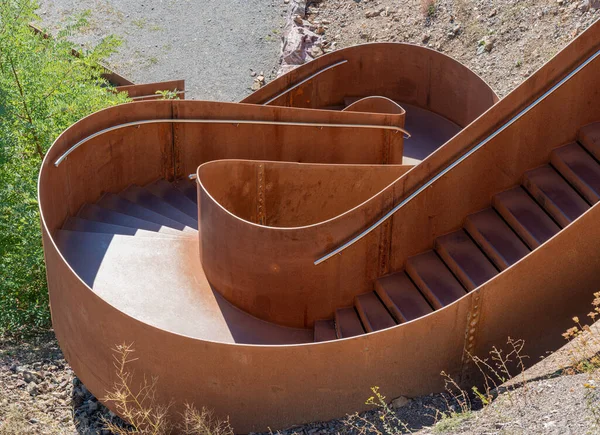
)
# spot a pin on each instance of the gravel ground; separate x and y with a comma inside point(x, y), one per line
point(504, 41)
point(213, 44)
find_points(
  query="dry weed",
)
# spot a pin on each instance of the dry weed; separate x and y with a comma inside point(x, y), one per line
point(140, 408)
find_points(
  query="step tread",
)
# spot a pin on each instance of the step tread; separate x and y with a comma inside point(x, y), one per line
point(555, 195)
point(464, 258)
point(434, 279)
point(525, 216)
point(74, 223)
point(495, 238)
point(589, 137)
point(372, 312)
point(94, 212)
point(111, 201)
point(147, 199)
point(324, 330)
point(168, 193)
point(188, 188)
point(402, 298)
point(347, 323)
point(579, 168)
point(133, 274)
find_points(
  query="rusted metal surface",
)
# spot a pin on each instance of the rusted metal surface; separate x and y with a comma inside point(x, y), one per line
point(152, 91)
point(403, 73)
point(271, 199)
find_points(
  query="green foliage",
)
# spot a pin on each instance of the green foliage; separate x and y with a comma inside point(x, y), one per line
point(43, 90)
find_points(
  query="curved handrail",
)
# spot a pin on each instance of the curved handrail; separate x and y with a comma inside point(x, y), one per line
point(459, 160)
point(310, 77)
point(236, 122)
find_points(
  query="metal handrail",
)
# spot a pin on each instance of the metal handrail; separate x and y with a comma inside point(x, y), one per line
point(310, 77)
point(235, 122)
point(456, 162)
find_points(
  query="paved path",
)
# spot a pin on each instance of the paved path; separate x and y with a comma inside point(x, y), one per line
point(212, 44)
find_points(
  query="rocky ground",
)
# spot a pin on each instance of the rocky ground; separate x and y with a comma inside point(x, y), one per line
point(39, 394)
point(504, 41)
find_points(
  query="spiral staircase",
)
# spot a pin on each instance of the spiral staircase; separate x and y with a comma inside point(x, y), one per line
point(274, 259)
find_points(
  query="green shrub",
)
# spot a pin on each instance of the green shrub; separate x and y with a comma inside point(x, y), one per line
point(43, 90)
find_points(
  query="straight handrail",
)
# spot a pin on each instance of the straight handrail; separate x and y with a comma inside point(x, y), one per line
point(459, 160)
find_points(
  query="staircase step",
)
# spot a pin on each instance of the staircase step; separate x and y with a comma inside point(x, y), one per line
point(402, 298)
point(168, 193)
point(133, 275)
point(93, 212)
point(434, 279)
point(525, 216)
point(589, 137)
point(495, 238)
point(111, 201)
point(188, 188)
point(372, 312)
point(555, 195)
point(325, 330)
point(143, 197)
point(580, 169)
point(347, 323)
point(84, 225)
point(465, 259)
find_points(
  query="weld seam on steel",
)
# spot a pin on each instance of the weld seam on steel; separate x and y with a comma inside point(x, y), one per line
point(457, 161)
point(304, 81)
point(225, 121)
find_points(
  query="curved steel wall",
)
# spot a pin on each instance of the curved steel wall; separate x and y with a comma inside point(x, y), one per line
point(276, 386)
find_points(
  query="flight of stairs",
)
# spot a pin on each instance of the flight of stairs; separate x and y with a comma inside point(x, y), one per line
point(518, 221)
point(157, 209)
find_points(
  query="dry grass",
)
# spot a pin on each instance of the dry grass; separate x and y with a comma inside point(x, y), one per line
point(584, 357)
point(140, 408)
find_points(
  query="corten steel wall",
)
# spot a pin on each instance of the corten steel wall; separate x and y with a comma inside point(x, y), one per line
point(402, 72)
point(276, 386)
point(148, 91)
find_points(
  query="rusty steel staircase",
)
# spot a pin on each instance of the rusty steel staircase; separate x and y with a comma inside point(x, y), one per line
point(247, 249)
point(518, 221)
